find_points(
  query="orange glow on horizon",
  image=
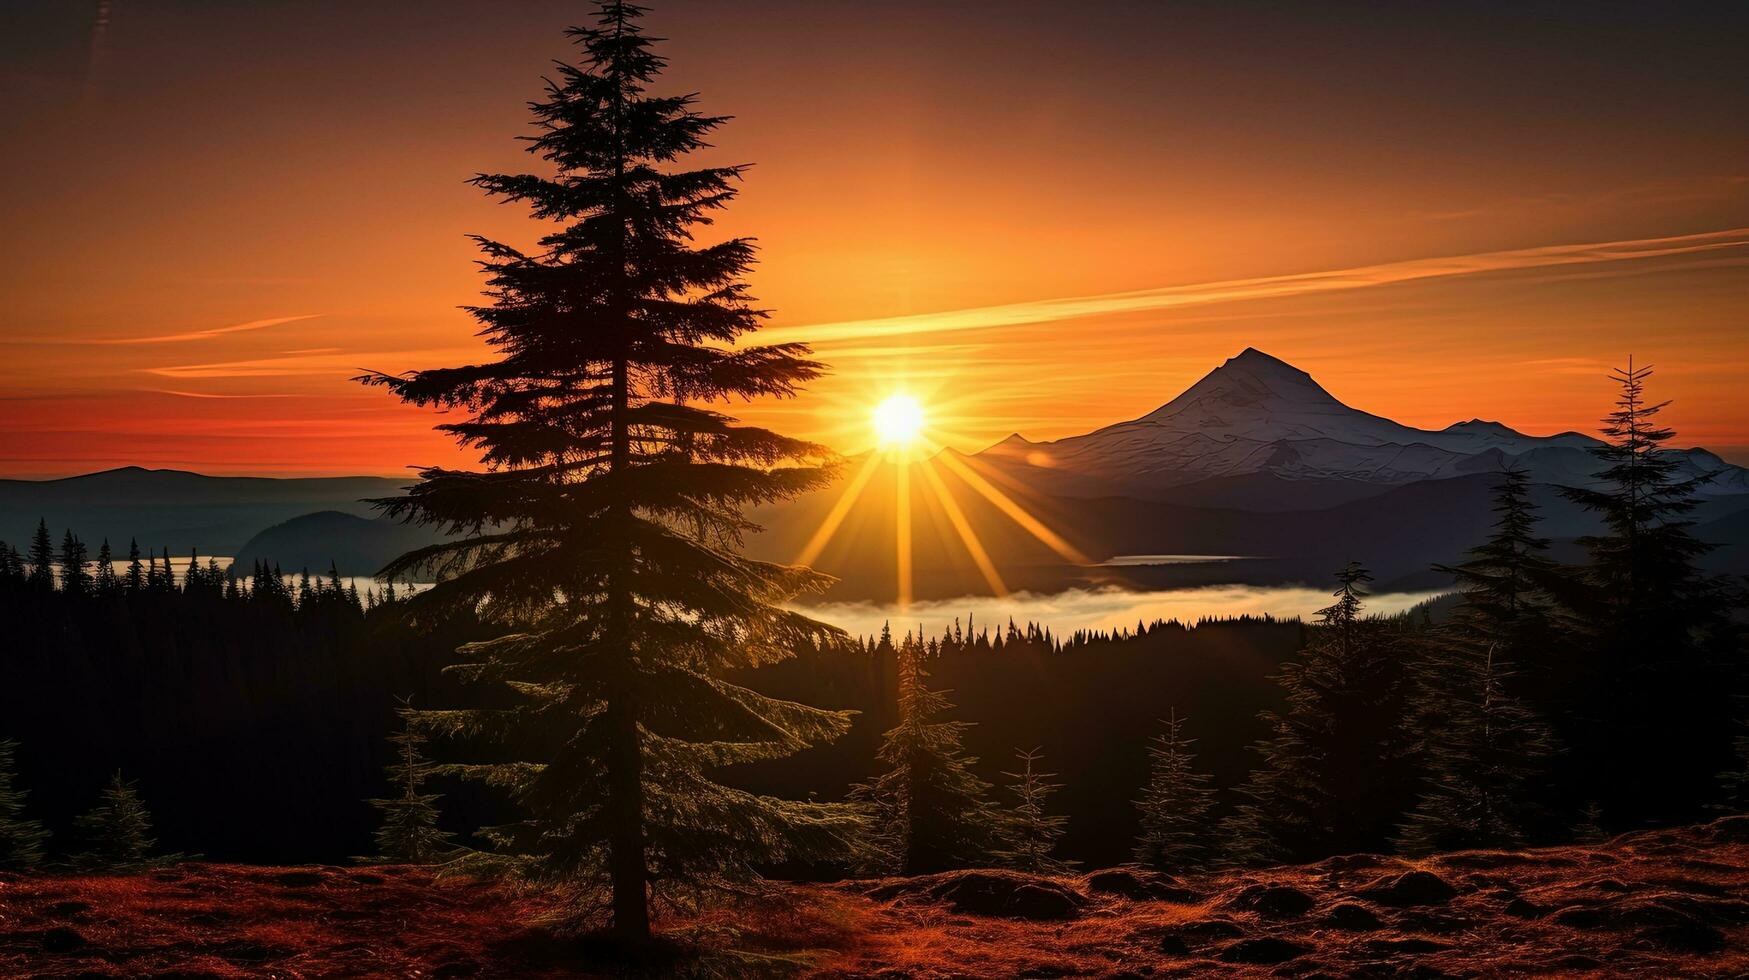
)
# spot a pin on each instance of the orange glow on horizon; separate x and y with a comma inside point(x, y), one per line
point(192, 280)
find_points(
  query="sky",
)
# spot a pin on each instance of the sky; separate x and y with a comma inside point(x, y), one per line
point(1036, 217)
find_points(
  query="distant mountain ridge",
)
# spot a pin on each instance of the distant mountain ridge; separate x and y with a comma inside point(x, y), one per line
point(175, 508)
point(1255, 459)
point(1259, 419)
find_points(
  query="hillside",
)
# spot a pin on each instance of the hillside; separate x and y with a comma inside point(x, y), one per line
point(1655, 904)
point(353, 544)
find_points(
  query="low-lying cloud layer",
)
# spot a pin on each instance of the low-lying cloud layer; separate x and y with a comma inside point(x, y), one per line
point(1101, 609)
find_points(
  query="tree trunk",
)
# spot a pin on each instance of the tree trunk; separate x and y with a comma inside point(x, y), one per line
point(625, 763)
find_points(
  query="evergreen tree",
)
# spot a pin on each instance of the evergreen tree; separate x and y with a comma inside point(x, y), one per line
point(194, 581)
point(11, 564)
point(409, 832)
point(1338, 769)
point(1483, 765)
point(105, 581)
point(1485, 743)
point(928, 811)
point(1656, 703)
point(1033, 831)
point(118, 831)
point(75, 565)
point(1510, 589)
point(1175, 807)
point(21, 840)
point(42, 557)
point(603, 533)
point(136, 579)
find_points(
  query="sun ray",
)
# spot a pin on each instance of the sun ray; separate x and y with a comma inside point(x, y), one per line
point(1015, 511)
point(902, 508)
point(963, 527)
point(836, 515)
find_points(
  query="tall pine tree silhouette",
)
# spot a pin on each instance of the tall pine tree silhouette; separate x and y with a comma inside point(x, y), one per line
point(1338, 772)
point(75, 565)
point(136, 574)
point(104, 580)
point(41, 557)
point(1656, 701)
point(928, 810)
point(603, 532)
point(1481, 724)
point(1175, 805)
point(1485, 763)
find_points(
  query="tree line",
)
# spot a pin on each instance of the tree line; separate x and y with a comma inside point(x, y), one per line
point(246, 712)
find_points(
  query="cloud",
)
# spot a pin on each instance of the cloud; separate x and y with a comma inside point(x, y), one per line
point(200, 394)
point(1096, 609)
point(172, 338)
point(309, 364)
point(1265, 287)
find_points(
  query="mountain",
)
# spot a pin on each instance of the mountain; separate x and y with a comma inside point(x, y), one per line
point(1255, 460)
point(176, 509)
point(353, 544)
point(1261, 434)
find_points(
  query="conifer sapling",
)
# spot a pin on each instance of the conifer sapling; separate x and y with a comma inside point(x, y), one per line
point(1033, 830)
point(1175, 805)
point(118, 831)
point(409, 833)
point(21, 840)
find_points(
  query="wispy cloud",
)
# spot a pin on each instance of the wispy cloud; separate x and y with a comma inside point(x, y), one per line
point(1265, 287)
point(172, 338)
point(310, 364)
point(168, 338)
point(202, 394)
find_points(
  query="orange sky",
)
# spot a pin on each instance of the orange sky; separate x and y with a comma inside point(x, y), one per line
point(217, 213)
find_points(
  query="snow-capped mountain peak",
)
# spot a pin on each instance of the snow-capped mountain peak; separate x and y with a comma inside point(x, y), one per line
point(1251, 380)
point(1257, 414)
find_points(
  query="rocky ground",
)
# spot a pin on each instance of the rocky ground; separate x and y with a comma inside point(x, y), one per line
point(1657, 904)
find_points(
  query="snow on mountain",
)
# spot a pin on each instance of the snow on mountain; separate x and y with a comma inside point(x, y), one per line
point(1257, 414)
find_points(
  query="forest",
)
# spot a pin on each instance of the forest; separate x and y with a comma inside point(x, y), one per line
point(1542, 703)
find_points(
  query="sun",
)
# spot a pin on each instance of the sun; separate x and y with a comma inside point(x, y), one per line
point(898, 421)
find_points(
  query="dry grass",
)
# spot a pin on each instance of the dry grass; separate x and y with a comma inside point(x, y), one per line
point(1663, 904)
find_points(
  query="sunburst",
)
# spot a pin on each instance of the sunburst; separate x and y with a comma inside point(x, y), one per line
point(907, 430)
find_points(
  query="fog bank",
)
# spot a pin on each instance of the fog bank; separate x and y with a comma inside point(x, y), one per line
point(1099, 609)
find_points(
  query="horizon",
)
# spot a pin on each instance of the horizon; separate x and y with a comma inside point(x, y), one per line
point(204, 306)
point(1738, 456)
